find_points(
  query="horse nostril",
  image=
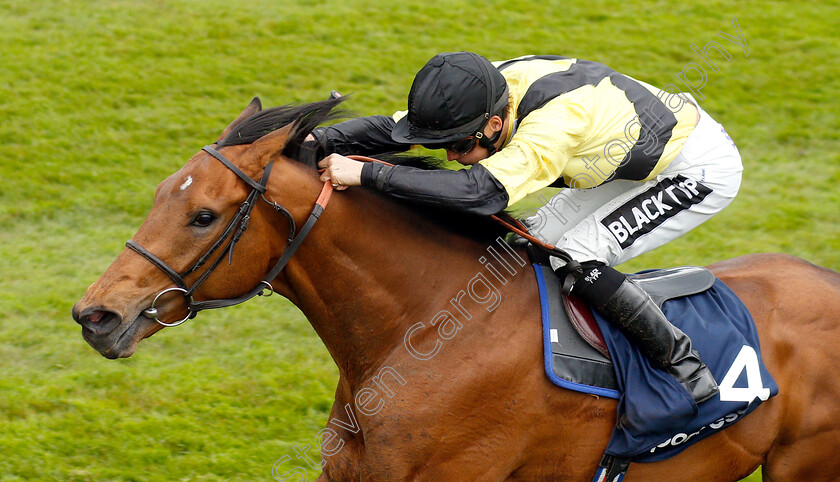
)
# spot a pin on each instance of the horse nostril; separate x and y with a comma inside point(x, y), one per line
point(98, 322)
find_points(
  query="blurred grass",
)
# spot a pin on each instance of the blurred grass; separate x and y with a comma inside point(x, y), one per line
point(100, 100)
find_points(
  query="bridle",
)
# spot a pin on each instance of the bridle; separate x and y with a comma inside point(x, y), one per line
point(239, 224)
point(232, 233)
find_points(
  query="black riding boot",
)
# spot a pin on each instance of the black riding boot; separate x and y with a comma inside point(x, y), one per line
point(641, 320)
point(665, 345)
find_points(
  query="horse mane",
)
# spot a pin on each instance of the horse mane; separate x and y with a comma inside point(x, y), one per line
point(306, 117)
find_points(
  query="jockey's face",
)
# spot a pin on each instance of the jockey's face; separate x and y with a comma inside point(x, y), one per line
point(478, 153)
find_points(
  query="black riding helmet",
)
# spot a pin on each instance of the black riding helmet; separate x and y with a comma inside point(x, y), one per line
point(452, 97)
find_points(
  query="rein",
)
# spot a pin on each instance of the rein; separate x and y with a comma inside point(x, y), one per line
point(234, 230)
point(513, 225)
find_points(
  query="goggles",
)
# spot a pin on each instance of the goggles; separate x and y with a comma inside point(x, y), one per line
point(460, 147)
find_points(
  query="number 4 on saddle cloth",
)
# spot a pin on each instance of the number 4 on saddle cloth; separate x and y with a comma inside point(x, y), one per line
point(657, 418)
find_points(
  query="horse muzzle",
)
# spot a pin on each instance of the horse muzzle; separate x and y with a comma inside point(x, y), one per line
point(108, 332)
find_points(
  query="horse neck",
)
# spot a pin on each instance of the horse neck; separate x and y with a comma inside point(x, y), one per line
point(368, 271)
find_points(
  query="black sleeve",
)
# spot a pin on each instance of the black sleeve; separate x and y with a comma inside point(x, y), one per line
point(363, 136)
point(472, 190)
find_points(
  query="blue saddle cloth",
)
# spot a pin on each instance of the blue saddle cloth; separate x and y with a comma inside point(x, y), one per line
point(656, 416)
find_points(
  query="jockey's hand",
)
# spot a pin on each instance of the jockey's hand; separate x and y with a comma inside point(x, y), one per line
point(341, 171)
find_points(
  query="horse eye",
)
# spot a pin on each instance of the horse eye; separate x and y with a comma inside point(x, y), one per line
point(203, 219)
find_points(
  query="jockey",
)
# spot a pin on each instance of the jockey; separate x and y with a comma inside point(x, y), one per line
point(641, 167)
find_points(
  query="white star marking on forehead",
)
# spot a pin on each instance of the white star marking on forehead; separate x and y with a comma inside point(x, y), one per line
point(187, 183)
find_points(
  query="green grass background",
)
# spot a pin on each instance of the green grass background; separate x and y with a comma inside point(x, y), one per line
point(100, 100)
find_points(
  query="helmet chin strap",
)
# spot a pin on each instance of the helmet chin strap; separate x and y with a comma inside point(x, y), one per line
point(489, 143)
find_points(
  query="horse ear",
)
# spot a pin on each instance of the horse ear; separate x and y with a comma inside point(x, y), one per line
point(271, 144)
point(254, 107)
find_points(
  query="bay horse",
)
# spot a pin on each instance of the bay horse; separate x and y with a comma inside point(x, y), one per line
point(426, 396)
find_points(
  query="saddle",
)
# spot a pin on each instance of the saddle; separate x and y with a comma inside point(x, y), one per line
point(580, 359)
point(656, 417)
point(661, 285)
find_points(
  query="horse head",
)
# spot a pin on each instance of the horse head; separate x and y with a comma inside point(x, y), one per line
point(193, 246)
